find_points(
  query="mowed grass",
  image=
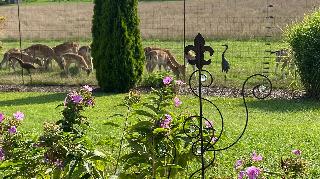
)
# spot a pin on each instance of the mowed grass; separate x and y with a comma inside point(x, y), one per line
point(275, 126)
point(246, 58)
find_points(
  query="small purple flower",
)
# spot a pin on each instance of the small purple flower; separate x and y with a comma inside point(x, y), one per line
point(253, 172)
point(1, 117)
point(167, 80)
point(296, 152)
point(90, 102)
point(166, 122)
point(255, 157)
point(12, 130)
point(2, 156)
point(238, 164)
point(18, 115)
point(87, 87)
point(59, 163)
point(77, 99)
point(214, 139)
point(241, 175)
point(209, 124)
point(168, 117)
point(177, 102)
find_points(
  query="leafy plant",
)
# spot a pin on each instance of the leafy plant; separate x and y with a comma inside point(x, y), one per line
point(304, 38)
point(62, 151)
point(153, 80)
point(157, 141)
point(252, 167)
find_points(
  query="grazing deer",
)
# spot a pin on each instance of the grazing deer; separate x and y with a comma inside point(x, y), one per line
point(67, 47)
point(44, 52)
point(85, 52)
point(23, 57)
point(179, 69)
point(190, 56)
point(5, 59)
point(69, 58)
point(285, 57)
point(157, 57)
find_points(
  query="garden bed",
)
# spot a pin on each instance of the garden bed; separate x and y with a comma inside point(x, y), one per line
point(212, 91)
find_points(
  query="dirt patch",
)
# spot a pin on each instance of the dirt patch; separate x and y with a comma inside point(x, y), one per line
point(212, 91)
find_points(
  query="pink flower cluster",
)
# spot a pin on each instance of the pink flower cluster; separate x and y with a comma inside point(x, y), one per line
point(251, 172)
point(79, 97)
point(209, 124)
point(167, 80)
point(177, 101)
point(1, 117)
point(19, 116)
point(255, 157)
point(165, 123)
point(296, 152)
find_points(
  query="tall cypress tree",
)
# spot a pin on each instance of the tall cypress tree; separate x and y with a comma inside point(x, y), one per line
point(119, 48)
point(96, 29)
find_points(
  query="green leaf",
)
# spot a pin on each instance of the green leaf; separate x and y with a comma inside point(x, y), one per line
point(145, 113)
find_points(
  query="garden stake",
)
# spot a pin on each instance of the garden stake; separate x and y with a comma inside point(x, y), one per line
point(197, 127)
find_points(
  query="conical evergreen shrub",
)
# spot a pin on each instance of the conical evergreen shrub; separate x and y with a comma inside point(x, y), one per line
point(117, 49)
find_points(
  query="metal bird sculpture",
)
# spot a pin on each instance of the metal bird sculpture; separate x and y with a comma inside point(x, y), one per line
point(24, 65)
point(224, 63)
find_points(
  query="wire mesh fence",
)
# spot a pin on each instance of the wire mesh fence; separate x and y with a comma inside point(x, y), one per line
point(246, 26)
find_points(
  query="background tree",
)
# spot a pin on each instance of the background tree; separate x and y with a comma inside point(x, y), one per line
point(117, 49)
point(96, 26)
point(304, 38)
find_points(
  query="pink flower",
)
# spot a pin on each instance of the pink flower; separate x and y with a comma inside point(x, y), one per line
point(2, 156)
point(1, 117)
point(209, 124)
point(18, 115)
point(296, 152)
point(238, 164)
point(253, 172)
point(87, 87)
point(166, 122)
point(241, 175)
point(77, 99)
point(12, 130)
point(256, 157)
point(167, 80)
point(214, 139)
point(177, 102)
point(90, 102)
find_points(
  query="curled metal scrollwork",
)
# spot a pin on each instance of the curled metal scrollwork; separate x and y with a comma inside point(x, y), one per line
point(198, 128)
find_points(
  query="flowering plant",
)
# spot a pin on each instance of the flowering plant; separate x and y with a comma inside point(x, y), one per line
point(74, 103)
point(62, 151)
point(157, 146)
point(252, 167)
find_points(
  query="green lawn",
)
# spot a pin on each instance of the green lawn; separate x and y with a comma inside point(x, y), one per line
point(275, 126)
point(246, 57)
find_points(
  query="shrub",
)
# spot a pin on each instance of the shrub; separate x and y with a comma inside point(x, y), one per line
point(153, 80)
point(117, 45)
point(96, 30)
point(304, 38)
point(62, 151)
